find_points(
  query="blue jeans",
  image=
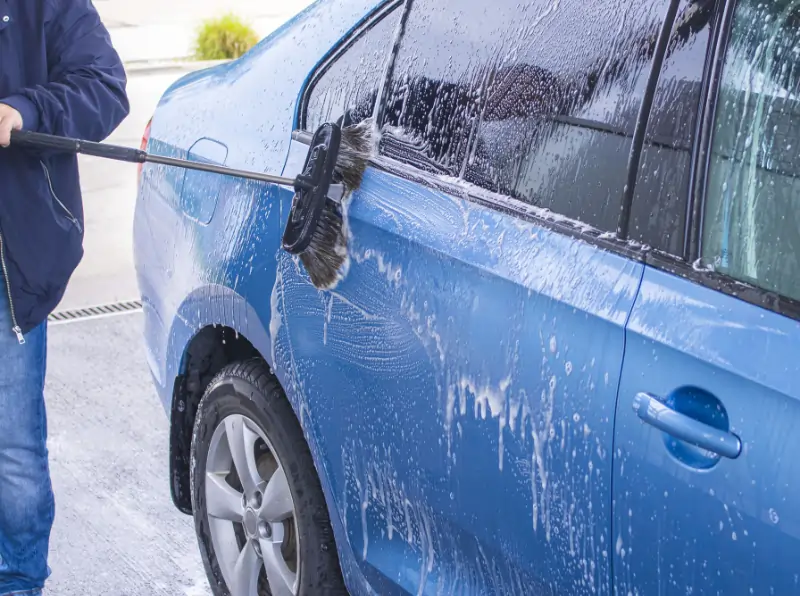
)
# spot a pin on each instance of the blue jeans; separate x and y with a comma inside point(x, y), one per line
point(27, 507)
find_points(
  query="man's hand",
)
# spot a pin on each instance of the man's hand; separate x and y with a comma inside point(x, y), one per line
point(10, 119)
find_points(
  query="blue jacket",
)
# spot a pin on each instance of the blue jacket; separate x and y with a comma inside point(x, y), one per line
point(60, 71)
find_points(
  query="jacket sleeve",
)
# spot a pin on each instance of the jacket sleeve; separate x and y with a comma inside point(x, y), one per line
point(86, 95)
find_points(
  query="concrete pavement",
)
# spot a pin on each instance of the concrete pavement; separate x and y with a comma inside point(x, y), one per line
point(116, 531)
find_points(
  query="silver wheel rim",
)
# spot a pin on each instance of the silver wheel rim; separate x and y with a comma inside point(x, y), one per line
point(250, 511)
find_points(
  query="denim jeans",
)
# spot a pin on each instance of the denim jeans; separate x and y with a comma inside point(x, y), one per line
point(27, 507)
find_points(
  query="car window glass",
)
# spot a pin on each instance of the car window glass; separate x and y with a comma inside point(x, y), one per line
point(535, 100)
point(352, 80)
point(751, 226)
point(658, 213)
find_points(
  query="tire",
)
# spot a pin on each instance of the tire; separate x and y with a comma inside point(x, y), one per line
point(283, 524)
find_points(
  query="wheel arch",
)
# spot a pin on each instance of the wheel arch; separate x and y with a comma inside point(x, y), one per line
point(209, 351)
point(214, 327)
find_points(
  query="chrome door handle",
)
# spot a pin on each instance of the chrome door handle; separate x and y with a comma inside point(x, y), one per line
point(656, 413)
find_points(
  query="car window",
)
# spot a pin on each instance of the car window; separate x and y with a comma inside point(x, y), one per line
point(658, 212)
point(352, 79)
point(751, 225)
point(535, 100)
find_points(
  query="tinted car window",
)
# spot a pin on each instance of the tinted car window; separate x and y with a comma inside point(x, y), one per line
point(752, 215)
point(351, 81)
point(535, 100)
point(658, 213)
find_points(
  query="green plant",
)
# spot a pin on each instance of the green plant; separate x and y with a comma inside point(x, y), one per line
point(226, 37)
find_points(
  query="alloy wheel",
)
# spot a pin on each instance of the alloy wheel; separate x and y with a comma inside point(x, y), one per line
point(251, 513)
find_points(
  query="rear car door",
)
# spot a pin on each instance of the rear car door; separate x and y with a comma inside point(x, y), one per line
point(706, 473)
point(461, 379)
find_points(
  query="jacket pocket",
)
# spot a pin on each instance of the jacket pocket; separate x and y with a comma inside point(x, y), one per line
point(60, 210)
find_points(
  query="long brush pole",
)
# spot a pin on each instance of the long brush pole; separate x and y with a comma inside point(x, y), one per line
point(37, 140)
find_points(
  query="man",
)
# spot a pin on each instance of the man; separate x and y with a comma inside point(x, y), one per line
point(60, 75)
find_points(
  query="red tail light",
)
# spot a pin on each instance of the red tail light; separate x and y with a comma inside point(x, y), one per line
point(143, 147)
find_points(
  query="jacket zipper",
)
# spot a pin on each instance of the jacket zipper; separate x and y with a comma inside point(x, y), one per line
point(16, 329)
point(71, 217)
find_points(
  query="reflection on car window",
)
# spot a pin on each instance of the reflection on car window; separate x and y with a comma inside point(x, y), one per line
point(352, 81)
point(752, 215)
point(535, 100)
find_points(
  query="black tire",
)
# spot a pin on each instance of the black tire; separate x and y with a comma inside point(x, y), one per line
point(249, 389)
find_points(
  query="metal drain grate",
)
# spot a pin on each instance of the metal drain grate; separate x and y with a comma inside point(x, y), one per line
point(92, 312)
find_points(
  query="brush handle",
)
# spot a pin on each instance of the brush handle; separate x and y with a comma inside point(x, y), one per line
point(36, 140)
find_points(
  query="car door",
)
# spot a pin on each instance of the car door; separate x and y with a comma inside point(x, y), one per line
point(706, 478)
point(460, 380)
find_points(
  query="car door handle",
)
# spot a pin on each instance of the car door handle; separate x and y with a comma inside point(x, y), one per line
point(656, 413)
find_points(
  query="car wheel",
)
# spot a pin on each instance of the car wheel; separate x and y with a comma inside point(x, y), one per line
point(259, 512)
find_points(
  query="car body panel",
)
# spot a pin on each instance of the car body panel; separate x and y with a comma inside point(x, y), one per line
point(468, 359)
point(684, 521)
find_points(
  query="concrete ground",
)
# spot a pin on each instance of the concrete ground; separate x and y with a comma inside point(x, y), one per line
point(116, 531)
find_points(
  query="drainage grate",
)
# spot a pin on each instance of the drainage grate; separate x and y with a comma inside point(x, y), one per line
point(92, 312)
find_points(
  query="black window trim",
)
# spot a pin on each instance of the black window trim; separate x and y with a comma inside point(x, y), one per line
point(372, 18)
point(689, 265)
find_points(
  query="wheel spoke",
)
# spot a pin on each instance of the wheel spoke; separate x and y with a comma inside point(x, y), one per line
point(241, 441)
point(281, 579)
point(245, 573)
point(277, 505)
point(222, 500)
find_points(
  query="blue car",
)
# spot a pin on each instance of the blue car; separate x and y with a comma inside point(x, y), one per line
point(563, 354)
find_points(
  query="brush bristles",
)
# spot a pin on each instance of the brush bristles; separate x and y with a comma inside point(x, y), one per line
point(357, 146)
point(324, 257)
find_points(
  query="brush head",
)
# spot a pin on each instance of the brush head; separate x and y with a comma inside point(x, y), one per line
point(311, 189)
point(327, 252)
